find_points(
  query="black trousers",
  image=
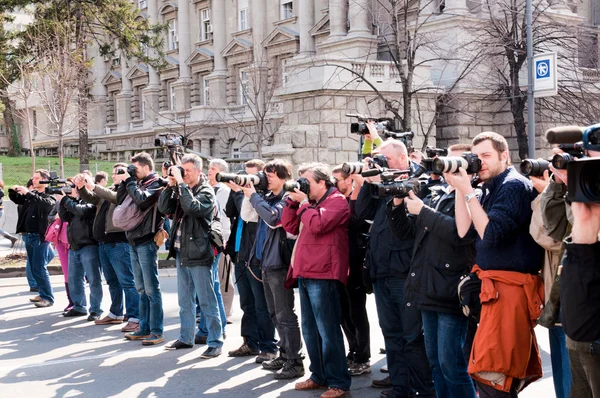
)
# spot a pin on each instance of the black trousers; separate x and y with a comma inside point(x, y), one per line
point(355, 321)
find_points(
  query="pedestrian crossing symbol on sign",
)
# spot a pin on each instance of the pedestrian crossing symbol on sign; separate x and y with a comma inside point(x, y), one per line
point(542, 69)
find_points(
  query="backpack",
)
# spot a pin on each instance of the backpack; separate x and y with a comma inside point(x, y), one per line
point(128, 215)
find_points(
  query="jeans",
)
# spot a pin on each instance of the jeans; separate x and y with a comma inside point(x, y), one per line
point(280, 303)
point(116, 265)
point(29, 273)
point(256, 327)
point(144, 262)
point(202, 327)
point(197, 282)
point(355, 321)
point(37, 257)
point(561, 368)
point(321, 318)
point(85, 261)
point(444, 339)
point(401, 326)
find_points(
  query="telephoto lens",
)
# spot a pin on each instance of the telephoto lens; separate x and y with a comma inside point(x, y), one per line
point(448, 164)
point(533, 167)
point(226, 177)
point(259, 180)
point(352, 168)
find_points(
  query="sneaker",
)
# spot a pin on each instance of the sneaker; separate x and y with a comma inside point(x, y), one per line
point(43, 304)
point(292, 368)
point(108, 321)
point(383, 383)
point(211, 352)
point(243, 351)
point(35, 299)
point(139, 335)
point(153, 339)
point(200, 340)
point(72, 313)
point(178, 345)
point(265, 356)
point(333, 392)
point(358, 369)
point(131, 327)
point(274, 364)
point(94, 316)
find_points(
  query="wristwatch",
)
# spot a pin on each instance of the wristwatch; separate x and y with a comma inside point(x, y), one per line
point(469, 196)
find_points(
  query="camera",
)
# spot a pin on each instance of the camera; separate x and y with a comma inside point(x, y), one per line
point(169, 140)
point(57, 185)
point(360, 128)
point(302, 184)
point(259, 180)
point(432, 152)
point(450, 164)
point(534, 167)
point(390, 187)
point(572, 151)
point(226, 177)
point(589, 136)
point(583, 180)
point(180, 169)
point(131, 170)
point(377, 161)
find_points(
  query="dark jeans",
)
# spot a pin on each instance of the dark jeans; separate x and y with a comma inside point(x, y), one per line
point(585, 368)
point(561, 368)
point(444, 339)
point(321, 318)
point(280, 303)
point(486, 391)
point(116, 265)
point(38, 257)
point(257, 328)
point(404, 342)
point(355, 321)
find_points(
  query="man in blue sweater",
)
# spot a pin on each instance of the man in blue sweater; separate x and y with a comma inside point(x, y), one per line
point(501, 219)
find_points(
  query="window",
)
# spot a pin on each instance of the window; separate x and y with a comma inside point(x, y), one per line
point(142, 4)
point(172, 38)
point(243, 87)
point(287, 9)
point(243, 22)
point(205, 91)
point(171, 97)
point(205, 26)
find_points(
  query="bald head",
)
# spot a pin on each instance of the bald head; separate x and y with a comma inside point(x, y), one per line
point(396, 154)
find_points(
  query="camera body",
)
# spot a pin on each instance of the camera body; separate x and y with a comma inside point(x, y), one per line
point(57, 185)
point(259, 180)
point(302, 184)
point(131, 170)
point(390, 187)
point(168, 140)
point(583, 183)
point(450, 164)
point(377, 161)
point(560, 161)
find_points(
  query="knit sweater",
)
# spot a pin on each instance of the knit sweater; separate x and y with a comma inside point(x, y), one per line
point(507, 244)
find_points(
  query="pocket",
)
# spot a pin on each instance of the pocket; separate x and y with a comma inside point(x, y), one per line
point(442, 281)
point(199, 249)
point(400, 255)
point(315, 259)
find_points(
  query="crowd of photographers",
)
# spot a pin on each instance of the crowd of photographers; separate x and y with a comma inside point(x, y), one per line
point(463, 252)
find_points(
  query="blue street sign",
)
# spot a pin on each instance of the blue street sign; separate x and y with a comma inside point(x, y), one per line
point(542, 69)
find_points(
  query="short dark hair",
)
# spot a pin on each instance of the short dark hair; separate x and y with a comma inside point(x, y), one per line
point(259, 164)
point(101, 175)
point(45, 174)
point(498, 142)
point(340, 169)
point(460, 147)
point(144, 159)
point(282, 168)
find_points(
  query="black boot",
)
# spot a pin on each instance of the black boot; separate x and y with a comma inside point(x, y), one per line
point(71, 304)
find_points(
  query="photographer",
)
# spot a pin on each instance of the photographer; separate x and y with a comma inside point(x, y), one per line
point(387, 263)
point(508, 264)
point(113, 249)
point(191, 201)
point(142, 186)
point(267, 249)
point(32, 224)
point(83, 254)
point(320, 219)
point(355, 321)
point(440, 259)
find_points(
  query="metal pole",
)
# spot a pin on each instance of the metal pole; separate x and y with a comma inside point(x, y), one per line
point(530, 71)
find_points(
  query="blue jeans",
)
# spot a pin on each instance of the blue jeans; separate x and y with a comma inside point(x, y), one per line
point(85, 261)
point(202, 328)
point(402, 330)
point(116, 265)
point(444, 339)
point(321, 320)
point(144, 262)
point(37, 257)
point(198, 282)
point(561, 367)
point(29, 274)
point(256, 327)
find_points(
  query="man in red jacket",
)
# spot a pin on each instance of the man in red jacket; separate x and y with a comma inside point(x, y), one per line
point(321, 265)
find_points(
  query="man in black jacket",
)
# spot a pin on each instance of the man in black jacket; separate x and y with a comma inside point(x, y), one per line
point(113, 250)
point(144, 188)
point(388, 257)
point(256, 327)
point(440, 258)
point(191, 201)
point(32, 224)
point(83, 255)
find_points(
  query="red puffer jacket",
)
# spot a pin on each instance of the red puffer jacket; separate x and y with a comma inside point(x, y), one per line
point(322, 250)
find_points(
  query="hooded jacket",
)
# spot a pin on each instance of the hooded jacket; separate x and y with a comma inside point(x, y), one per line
point(80, 216)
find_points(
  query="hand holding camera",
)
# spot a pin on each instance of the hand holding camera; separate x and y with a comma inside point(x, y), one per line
point(248, 189)
point(175, 174)
point(460, 181)
point(298, 196)
point(413, 203)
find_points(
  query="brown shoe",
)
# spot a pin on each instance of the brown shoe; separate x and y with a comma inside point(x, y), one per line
point(108, 321)
point(334, 393)
point(35, 299)
point(309, 384)
point(383, 383)
point(131, 327)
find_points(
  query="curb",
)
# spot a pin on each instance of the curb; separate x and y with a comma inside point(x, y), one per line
point(19, 272)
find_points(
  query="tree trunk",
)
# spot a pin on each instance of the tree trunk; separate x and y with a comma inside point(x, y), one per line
point(517, 109)
point(61, 162)
point(14, 149)
point(82, 99)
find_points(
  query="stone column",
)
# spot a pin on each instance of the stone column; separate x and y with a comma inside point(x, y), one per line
point(259, 29)
point(196, 145)
point(124, 97)
point(183, 85)
point(338, 13)
point(456, 7)
point(151, 93)
point(205, 146)
point(306, 20)
point(359, 14)
point(218, 78)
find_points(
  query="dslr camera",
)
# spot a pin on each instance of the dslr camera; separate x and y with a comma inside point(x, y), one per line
point(229, 177)
point(259, 180)
point(390, 187)
point(377, 161)
point(302, 184)
point(168, 165)
point(131, 170)
point(57, 185)
point(450, 164)
point(360, 128)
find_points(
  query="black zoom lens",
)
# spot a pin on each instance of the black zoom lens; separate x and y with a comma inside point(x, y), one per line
point(560, 161)
point(533, 167)
point(226, 177)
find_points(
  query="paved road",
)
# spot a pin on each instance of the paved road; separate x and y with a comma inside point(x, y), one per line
point(45, 355)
